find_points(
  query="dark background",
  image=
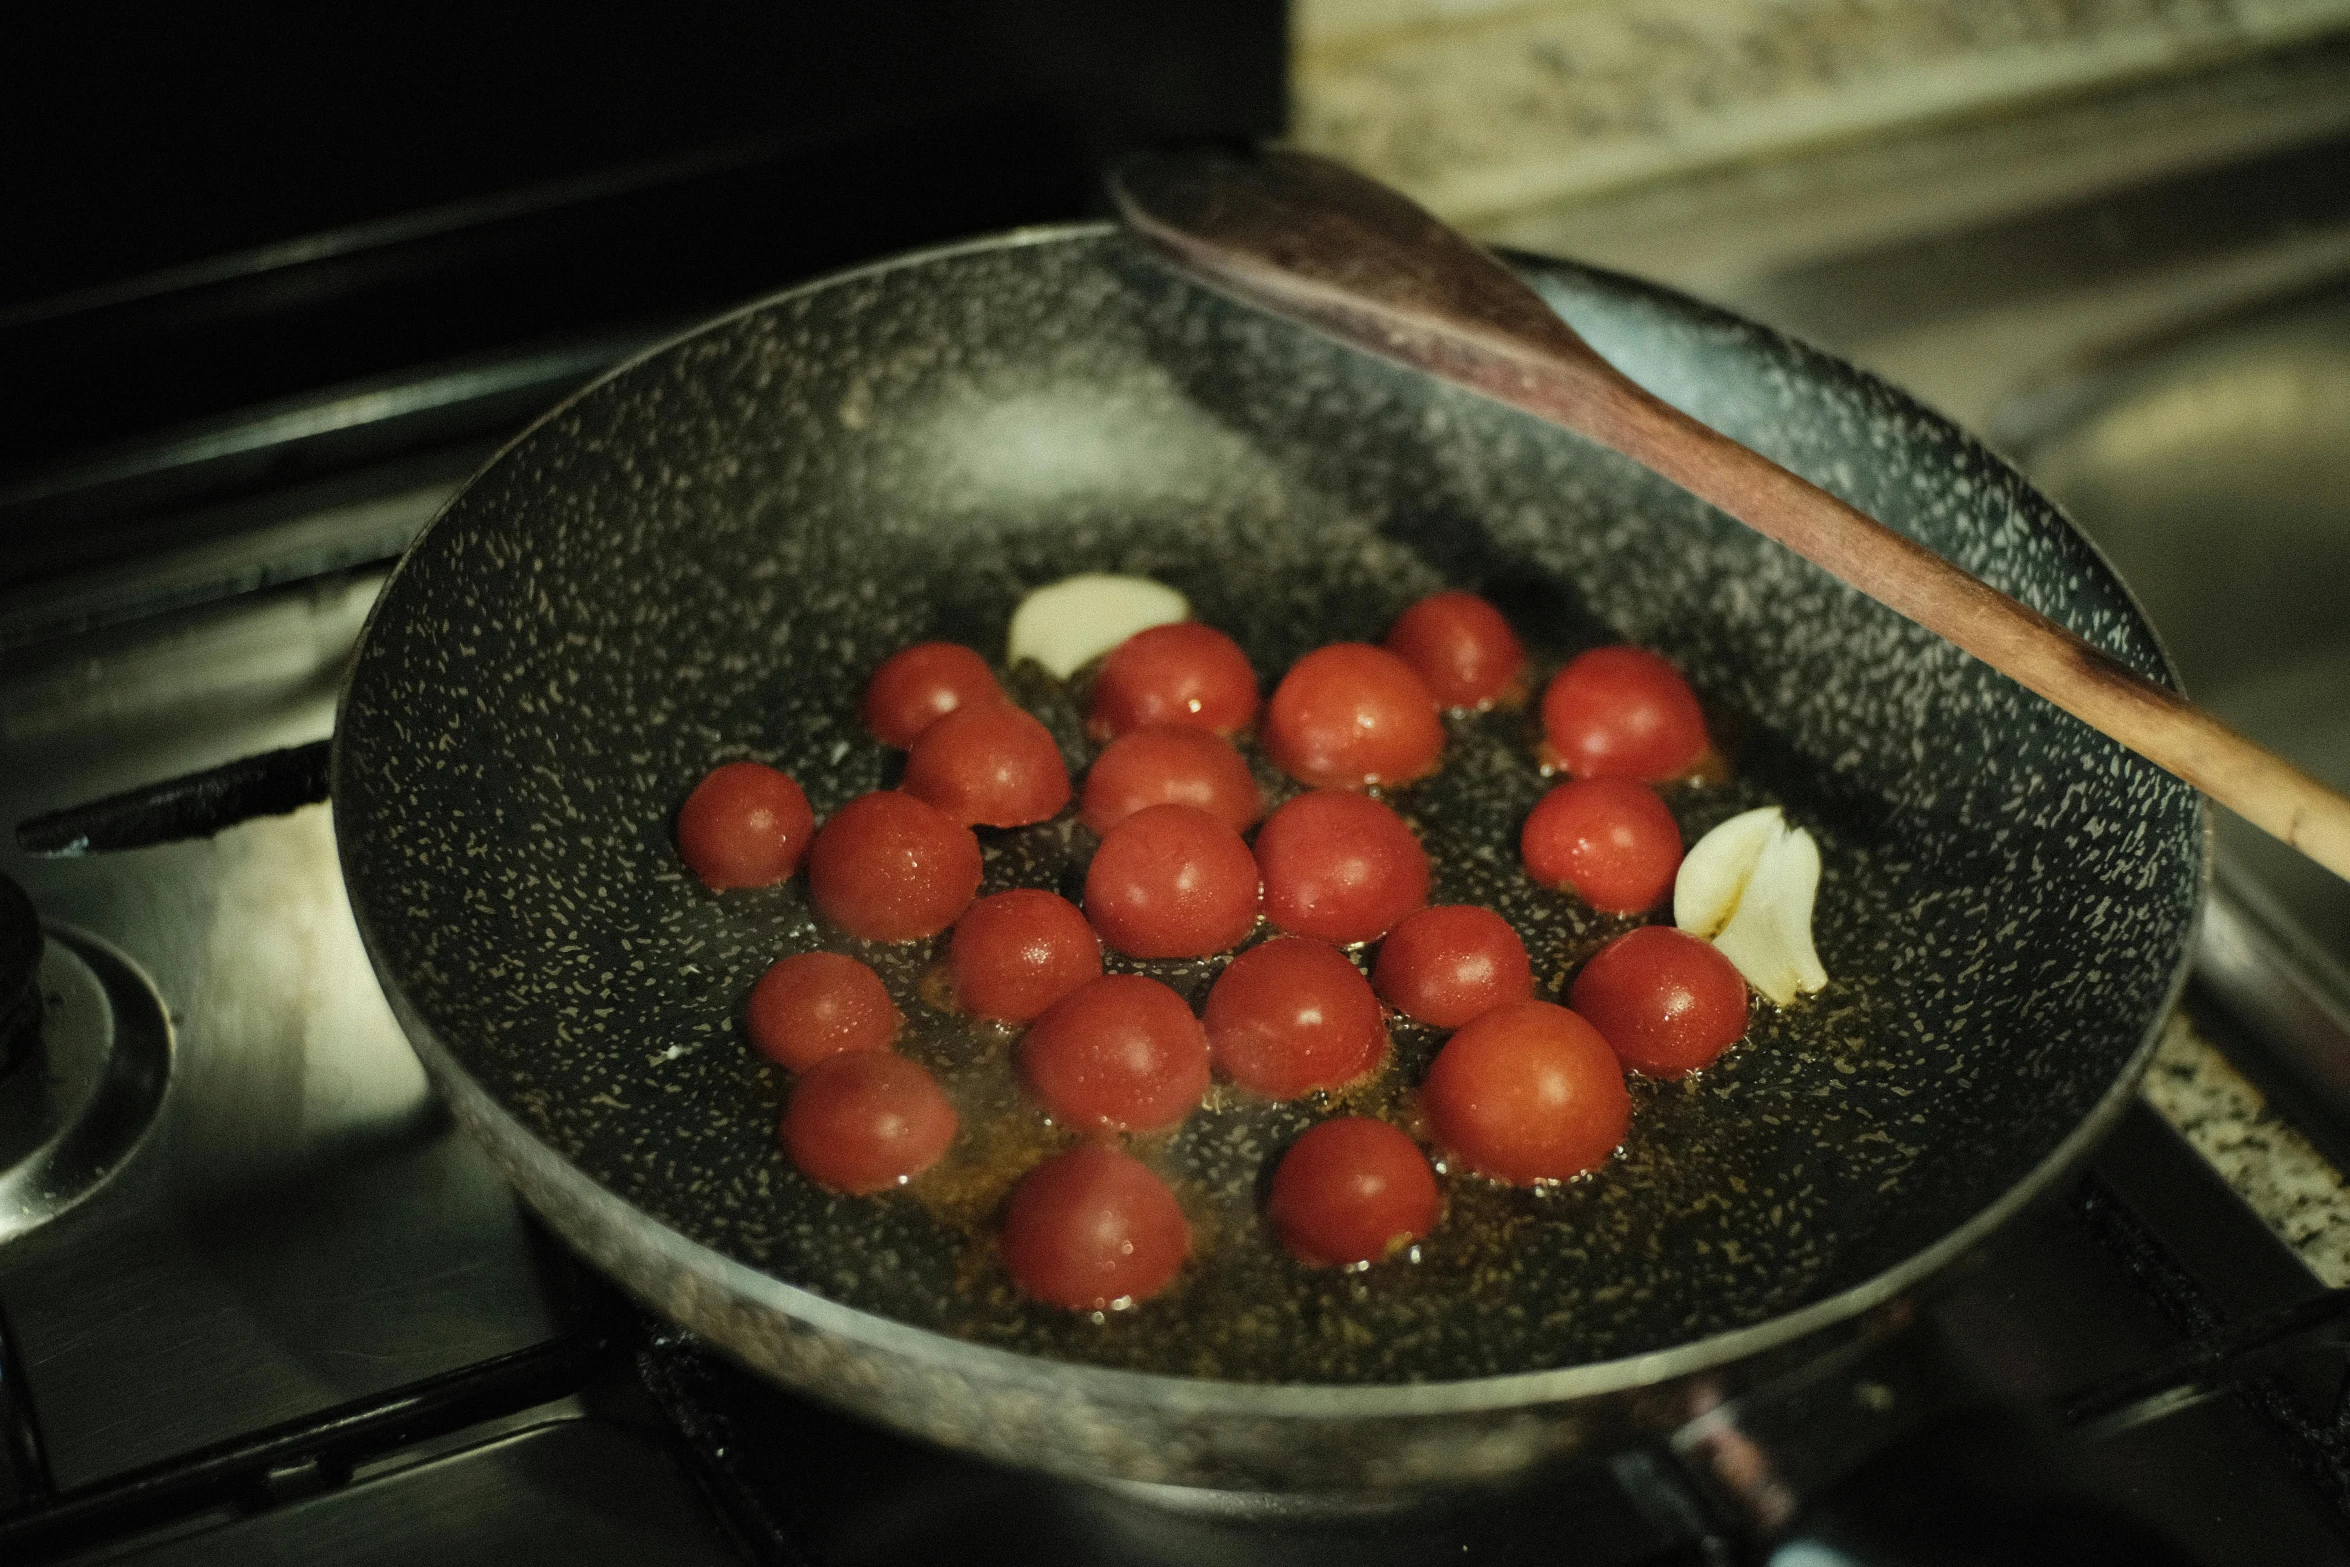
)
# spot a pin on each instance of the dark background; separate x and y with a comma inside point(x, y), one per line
point(217, 206)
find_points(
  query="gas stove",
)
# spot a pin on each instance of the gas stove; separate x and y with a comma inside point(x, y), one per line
point(259, 1300)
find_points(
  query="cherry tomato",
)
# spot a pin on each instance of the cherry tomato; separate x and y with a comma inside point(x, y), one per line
point(1609, 839)
point(1352, 1190)
point(1447, 965)
point(1171, 881)
point(1167, 764)
point(917, 686)
point(1461, 646)
point(745, 825)
point(1340, 867)
point(866, 1121)
point(1351, 714)
point(1291, 1016)
point(1017, 953)
point(991, 765)
point(820, 1004)
point(1093, 1230)
point(889, 867)
point(1666, 1002)
point(1622, 712)
point(1185, 673)
point(1121, 1053)
point(1528, 1093)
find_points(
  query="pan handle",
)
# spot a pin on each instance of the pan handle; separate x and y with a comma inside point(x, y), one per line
point(195, 805)
point(1888, 1453)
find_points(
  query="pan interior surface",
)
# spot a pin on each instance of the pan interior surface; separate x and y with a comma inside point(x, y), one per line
point(704, 557)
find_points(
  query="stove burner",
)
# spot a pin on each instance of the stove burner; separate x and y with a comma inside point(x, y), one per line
point(91, 1064)
point(20, 966)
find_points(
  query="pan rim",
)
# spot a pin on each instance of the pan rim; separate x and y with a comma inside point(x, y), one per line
point(525, 1157)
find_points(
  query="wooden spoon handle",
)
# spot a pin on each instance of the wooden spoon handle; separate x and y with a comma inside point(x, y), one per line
point(1316, 242)
point(2018, 641)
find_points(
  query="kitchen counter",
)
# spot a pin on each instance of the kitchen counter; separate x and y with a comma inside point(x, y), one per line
point(2294, 1188)
point(1485, 109)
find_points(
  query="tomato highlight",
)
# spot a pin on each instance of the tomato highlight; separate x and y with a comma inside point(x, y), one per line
point(744, 825)
point(1093, 1230)
point(1292, 1016)
point(917, 686)
point(1118, 1054)
point(1448, 965)
point(1622, 712)
point(1015, 954)
point(818, 1004)
point(1350, 715)
point(1460, 645)
point(866, 1121)
point(1340, 867)
point(992, 765)
point(1527, 1094)
point(1170, 764)
point(889, 867)
point(1184, 673)
point(1609, 839)
point(1350, 1191)
point(1171, 881)
point(1666, 1002)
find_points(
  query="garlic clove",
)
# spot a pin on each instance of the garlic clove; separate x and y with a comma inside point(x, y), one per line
point(1769, 937)
point(1750, 886)
point(1715, 871)
point(1066, 625)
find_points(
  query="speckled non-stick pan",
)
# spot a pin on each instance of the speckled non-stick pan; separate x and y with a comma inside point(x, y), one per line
point(704, 555)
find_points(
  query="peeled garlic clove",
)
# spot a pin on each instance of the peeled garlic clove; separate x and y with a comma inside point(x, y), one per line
point(1066, 625)
point(1752, 890)
point(1715, 871)
point(1769, 937)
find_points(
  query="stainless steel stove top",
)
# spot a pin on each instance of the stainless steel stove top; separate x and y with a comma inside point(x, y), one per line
point(257, 1300)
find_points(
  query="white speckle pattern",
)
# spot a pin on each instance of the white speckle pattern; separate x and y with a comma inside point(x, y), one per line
point(704, 556)
point(2296, 1191)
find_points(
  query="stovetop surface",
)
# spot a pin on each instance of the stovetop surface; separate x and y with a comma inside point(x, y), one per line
point(275, 1307)
point(304, 1314)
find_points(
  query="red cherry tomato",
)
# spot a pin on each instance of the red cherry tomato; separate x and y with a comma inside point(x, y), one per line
point(820, 1004)
point(1447, 965)
point(1609, 839)
point(1093, 1229)
point(1120, 1054)
point(1167, 764)
point(1622, 712)
point(1352, 1190)
point(1292, 1016)
point(1351, 714)
point(917, 686)
point(1172, 882)
point(991, 765)
point(1185, 673)
point(1666, 1002)
point(1340, 867)
point(866, 1121)
point(889, 867)
point(1461, 646)
point(745, 825)
point(1017, 953)
point(1528, 1093)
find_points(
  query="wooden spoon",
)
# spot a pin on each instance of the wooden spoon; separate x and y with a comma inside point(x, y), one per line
point(1314, 241)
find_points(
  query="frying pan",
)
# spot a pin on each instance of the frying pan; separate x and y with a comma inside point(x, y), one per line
point(705, 554)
